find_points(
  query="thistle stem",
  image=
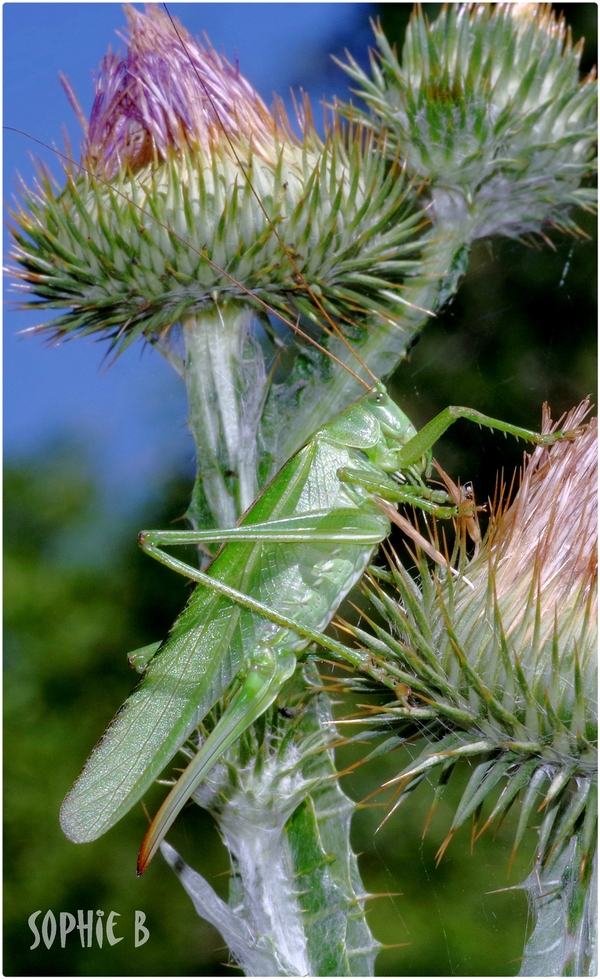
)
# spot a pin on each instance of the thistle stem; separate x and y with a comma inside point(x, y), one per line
point(564, 905)
point(226, 382)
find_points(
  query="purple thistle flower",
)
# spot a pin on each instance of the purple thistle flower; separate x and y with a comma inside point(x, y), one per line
point(168, 91)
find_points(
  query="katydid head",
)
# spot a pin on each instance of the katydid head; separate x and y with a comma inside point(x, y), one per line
point(396, 431)
point(394, 424)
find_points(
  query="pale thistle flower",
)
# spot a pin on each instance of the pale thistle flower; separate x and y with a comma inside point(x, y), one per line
point(545, 546)
point(500, 662)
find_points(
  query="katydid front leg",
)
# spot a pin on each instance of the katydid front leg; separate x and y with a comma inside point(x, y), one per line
point(428, 500)
point(427, 436)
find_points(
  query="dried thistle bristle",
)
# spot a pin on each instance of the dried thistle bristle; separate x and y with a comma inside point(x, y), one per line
point(548, 539)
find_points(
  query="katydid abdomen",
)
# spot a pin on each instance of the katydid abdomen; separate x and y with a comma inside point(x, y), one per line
point(214, 637)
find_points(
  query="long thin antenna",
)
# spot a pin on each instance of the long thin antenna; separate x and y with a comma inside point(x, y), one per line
point(334, 326)
point(288, 322)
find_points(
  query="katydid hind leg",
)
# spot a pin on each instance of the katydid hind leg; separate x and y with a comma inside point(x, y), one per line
point(340, 525)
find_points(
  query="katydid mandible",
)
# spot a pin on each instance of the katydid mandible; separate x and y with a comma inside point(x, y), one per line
point(273, 587)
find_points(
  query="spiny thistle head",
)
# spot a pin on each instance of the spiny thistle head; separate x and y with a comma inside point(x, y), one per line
point(498, 663)
point(488, 107)
point(191, 217)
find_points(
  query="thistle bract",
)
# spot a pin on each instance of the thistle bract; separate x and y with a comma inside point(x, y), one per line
point(136, 255)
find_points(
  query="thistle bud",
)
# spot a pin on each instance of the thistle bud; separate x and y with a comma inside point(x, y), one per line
point(193, 195)
point(488, 106)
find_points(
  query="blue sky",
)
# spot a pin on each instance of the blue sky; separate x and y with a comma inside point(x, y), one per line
point(132, 416)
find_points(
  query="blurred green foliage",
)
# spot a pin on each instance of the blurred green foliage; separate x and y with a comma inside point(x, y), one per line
point(71, 614)
point(79, 595)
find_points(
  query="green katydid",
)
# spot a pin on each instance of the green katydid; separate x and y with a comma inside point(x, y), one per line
point(273, 587)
